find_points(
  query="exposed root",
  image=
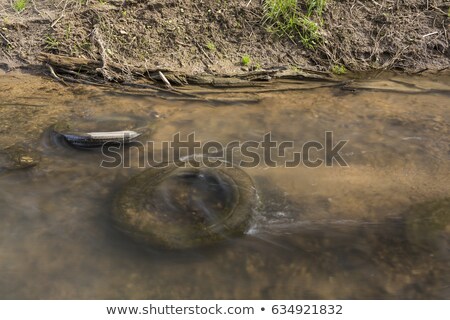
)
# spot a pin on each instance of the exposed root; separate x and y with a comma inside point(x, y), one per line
point(54, 75)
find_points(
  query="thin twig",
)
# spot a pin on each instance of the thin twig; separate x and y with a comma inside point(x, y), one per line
point(438, 9)
point(7, 41)
point(429, 34)
point(164, 79)
point(36, 9)
point(54, 75)
point(62, 14)
point(204, 52)
point(57, 20)
point(181, 43)
point(103, 54)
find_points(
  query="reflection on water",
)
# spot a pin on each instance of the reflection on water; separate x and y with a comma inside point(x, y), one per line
point(376, 229)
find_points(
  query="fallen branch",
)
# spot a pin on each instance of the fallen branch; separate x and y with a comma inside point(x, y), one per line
point(71, 63)
point(103, 54)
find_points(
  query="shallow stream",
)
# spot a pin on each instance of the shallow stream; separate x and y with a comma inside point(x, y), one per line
point(377, 228)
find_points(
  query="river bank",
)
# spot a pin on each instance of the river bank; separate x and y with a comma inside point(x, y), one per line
point(205, 42)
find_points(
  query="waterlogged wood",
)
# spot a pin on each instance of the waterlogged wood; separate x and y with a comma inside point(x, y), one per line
point(71, 63)
point(232, 82)
point(307, 75)
point(200, 79)
point(259, 75)
point(249, 79)
point(220, 82)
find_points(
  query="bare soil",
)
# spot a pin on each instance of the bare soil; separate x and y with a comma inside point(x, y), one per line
point(185, 39)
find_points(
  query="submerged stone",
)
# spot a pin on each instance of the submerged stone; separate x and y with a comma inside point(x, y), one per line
point(96, 132)
point(18, 157)
point(424, 222)
point(181, 208)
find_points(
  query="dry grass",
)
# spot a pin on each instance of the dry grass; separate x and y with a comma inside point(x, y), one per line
point(367, 36)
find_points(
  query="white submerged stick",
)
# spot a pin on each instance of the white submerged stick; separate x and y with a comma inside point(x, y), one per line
point(164, 79)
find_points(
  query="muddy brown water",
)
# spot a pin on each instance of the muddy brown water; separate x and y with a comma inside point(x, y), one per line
point(378, 228)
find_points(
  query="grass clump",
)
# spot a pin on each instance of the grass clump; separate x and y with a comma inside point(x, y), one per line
point(285, 18)
point(338, 69)
point(51, 43)
point(245, 60)
point(20, 5)
point(211, 46)
point(316, 7)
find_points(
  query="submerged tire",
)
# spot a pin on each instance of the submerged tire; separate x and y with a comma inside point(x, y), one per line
point(181, 208)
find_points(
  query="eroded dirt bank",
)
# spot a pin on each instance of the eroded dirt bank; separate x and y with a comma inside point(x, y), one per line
point(119, 40)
